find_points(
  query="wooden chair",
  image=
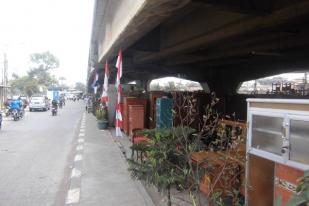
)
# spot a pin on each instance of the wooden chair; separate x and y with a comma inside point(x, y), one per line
point(223, 162)
point(137, 139)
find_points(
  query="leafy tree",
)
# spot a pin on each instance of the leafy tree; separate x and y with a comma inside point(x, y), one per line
point(42, 64)
point(62, 79)
point(170, 86)
point(15, 76)
point(80, 86)
point(24, 85)
point(45, 61)
point(42, 76)
point(38, 76)
point(155, 87)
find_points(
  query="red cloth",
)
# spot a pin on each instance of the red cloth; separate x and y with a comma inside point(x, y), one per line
point(140, 139)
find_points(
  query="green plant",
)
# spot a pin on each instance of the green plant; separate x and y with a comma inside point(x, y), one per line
point(101, 112)
point(168, 162)
point(165, 165)
point(168, 154)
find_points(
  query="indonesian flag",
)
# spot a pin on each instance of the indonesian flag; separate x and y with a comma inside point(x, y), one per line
point(95, 81)
point(119, 91)
point(104, 97)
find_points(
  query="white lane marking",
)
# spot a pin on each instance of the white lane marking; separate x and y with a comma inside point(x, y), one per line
point(78, 157)
point(81, 140)
point(75, 173)
point(79, 148)
point(81, 134)
point(73, 196)
point(82, 130)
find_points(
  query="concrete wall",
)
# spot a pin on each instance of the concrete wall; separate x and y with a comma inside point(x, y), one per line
point(117, 15)
point(112, 96)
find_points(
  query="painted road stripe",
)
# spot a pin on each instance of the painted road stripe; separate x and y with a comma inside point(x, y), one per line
point(82, 130)
point(81, 140)
point(79, 147)
point(73, 196)
point(78, 157)
point(75, 173)
point(81, 134)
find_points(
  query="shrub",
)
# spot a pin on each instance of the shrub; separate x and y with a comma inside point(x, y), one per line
point(101, 112)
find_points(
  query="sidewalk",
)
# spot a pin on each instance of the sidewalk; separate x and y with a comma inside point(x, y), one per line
point(105, 179)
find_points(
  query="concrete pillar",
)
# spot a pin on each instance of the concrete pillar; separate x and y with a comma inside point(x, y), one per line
point(112, 97)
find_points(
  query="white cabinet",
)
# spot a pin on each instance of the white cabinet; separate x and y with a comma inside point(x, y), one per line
point(277, 149)
point(299, 139)
point(279, 131)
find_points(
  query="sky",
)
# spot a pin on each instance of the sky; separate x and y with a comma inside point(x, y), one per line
point(62, 27)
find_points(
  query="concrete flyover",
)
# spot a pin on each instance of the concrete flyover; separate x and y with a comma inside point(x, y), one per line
point(220, 42)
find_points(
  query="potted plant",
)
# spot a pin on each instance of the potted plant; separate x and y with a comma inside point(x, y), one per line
point(101, 115)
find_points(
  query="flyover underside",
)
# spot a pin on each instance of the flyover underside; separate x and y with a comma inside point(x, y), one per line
point(220, 42)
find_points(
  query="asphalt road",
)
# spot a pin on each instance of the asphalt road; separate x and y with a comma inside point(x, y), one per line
point(35, 155)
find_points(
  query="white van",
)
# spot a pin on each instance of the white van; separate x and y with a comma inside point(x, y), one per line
point(38, 103)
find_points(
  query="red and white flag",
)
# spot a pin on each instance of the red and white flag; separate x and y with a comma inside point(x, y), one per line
point(119, 91)
point(104, 96)
point(95, 81)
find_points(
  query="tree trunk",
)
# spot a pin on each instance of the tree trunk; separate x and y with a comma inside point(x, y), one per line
point(169, 201)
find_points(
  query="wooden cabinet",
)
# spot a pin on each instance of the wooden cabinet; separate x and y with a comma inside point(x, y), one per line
point(136, 117)
point(127, 101)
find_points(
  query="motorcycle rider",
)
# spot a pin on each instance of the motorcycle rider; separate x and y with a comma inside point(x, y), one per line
point(17, 104)
point(62, 100)
point(60, 103)
point(55, 104)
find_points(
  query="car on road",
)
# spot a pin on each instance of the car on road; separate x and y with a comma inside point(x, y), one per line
point(39, 103)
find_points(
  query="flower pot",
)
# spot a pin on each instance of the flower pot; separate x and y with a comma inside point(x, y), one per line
point(102, 124)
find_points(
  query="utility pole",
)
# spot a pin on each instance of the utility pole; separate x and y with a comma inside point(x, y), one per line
point(5, 70)
point(4, 80)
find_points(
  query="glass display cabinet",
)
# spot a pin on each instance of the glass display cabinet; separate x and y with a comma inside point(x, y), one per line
point(277, 148)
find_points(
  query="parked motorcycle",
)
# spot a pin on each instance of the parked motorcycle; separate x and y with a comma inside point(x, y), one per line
point(7, 111)
point(54, 111)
